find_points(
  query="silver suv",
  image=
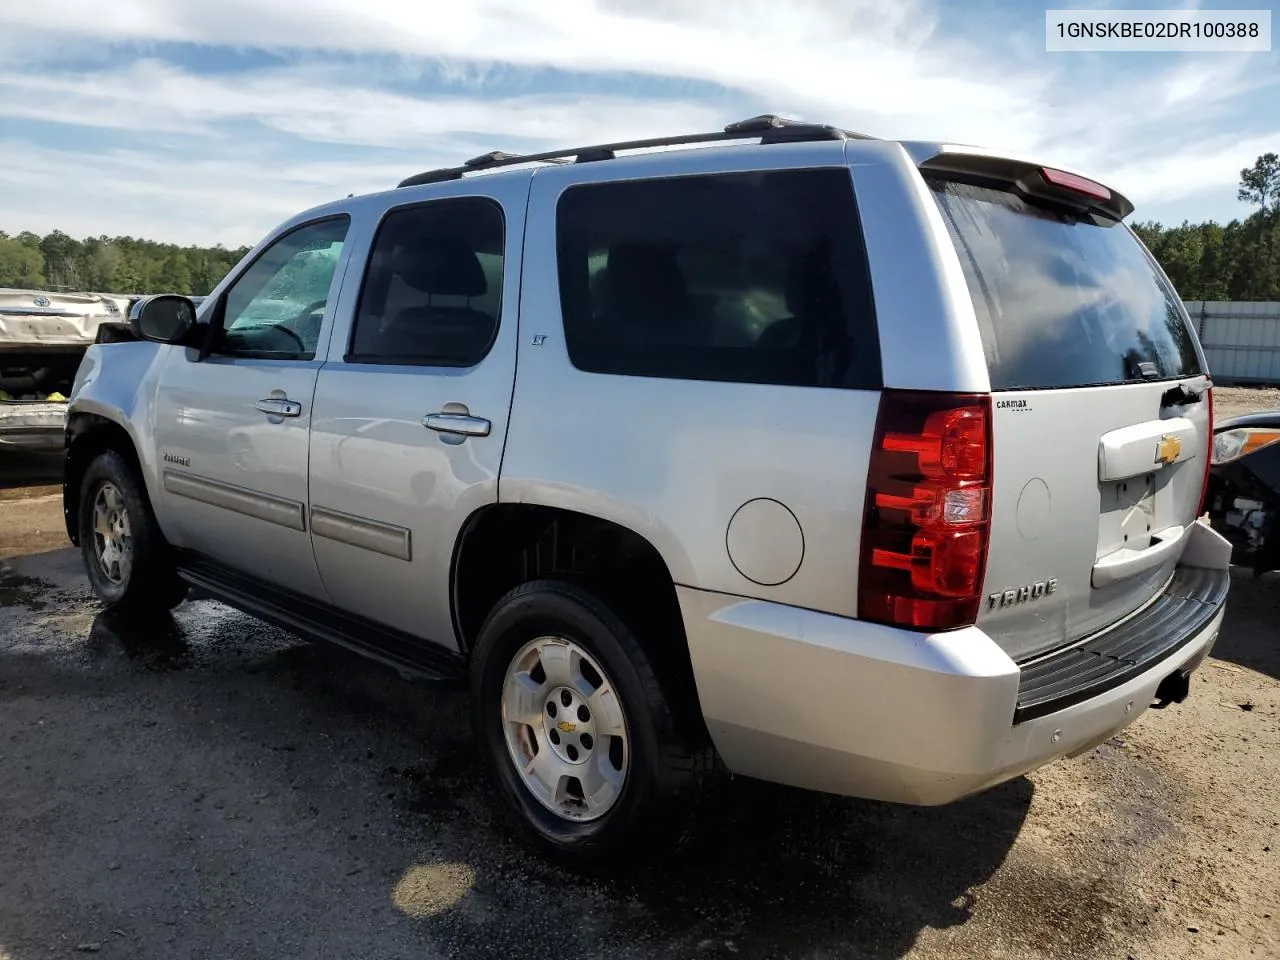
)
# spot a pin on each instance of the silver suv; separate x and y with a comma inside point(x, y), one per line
point(865, 466)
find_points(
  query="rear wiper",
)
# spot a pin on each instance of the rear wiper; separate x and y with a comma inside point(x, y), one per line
point(1179, 396)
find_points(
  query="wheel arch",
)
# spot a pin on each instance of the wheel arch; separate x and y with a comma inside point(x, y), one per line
point(89, 434)
point(504, 545)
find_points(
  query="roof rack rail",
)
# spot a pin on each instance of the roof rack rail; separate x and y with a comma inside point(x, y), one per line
point(767, 127)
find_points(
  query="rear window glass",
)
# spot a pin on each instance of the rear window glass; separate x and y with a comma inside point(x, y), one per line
point(1063, 300)
point(751, 278)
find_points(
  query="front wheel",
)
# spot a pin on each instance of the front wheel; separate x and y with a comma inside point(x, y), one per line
point(573, 724)
point(125, 555)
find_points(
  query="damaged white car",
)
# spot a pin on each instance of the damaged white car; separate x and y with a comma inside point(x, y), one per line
point(43, 336)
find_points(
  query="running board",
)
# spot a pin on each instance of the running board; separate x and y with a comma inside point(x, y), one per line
point(315, 620)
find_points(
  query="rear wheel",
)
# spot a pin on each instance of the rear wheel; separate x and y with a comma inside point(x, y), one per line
point(126, 557)
point(574, 726)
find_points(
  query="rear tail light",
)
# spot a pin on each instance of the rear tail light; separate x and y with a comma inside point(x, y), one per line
point(927, 517)
point(1208, 455)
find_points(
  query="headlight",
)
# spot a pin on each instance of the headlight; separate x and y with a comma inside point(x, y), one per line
point(1234, 444)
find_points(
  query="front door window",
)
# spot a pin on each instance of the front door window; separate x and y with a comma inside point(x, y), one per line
point(276, 307)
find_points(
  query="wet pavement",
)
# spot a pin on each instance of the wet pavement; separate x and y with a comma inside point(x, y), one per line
point(203, 785)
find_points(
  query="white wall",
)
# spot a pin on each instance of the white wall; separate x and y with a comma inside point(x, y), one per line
point(1241, 340)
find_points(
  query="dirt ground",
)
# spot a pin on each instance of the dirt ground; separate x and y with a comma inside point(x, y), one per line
point(209, 787)
point(1233, 401)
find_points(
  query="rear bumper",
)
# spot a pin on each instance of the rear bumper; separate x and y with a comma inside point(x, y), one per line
point(837, 705)
point(1149, 638)
point(33, 426)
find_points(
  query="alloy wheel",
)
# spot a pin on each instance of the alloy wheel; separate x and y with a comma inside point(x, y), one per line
point(565, 729)
point(112, 539)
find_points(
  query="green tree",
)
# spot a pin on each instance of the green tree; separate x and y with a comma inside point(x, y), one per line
point(61, 260)
point(1260, 184)
point(1181, 252)
point(99, 261)
point(21, 264)
point(174, 275)
point(1258, 268)
point(105, 264)
point(1213, 264)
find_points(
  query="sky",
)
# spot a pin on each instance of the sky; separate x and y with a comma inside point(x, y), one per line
point(210, 121)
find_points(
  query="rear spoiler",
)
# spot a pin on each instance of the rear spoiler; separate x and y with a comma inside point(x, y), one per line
point(1055, 184)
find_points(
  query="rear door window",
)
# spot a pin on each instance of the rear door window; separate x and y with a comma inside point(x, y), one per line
point(432, 293)
point(746, 277)
point(1063, 300)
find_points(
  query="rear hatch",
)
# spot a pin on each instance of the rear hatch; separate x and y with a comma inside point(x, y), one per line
point(1101, 410)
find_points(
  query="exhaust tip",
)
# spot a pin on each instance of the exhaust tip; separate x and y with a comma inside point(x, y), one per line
point(1173, 689)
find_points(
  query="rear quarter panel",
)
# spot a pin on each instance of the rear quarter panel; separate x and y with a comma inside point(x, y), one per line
point(677, 460)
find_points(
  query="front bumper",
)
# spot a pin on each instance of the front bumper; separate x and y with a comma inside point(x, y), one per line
point(33, 426)
point(837, 705)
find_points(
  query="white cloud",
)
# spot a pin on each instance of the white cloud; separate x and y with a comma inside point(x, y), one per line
point(326, 105)
point(1197, 169)
point(1154, 128)
point(877, 60)
point(131, 192)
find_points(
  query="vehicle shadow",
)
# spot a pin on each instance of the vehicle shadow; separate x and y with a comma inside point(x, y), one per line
point(766, 871)
point(1248, 635)
point(155, 642)
point(343, 811)
point(839, 873)
point(760, 870)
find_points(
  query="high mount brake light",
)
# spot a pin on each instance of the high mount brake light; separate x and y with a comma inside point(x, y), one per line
point(1074, 183)
point(927, 520)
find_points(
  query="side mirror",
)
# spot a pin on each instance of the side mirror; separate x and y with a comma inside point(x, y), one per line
point(165, 318)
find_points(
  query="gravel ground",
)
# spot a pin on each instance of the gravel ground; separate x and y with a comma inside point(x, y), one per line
point(208, 787)
point(1233, 401)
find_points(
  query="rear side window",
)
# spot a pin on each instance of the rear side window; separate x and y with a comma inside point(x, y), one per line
point(432, 293)
point(1063, 300)
point(753, 278)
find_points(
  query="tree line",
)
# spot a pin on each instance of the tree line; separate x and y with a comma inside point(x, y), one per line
point(1205, 261)
point(1209, 261)
point(111, 264)
point(1238, 261)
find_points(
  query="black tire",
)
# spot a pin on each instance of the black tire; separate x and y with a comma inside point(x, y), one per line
point(660, 767)
point(149, 583)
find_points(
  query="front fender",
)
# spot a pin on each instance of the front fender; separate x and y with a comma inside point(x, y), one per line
point(111, 405)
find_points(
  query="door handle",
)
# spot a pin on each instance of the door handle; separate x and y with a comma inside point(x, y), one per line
point(276, 407)
point(457, 424)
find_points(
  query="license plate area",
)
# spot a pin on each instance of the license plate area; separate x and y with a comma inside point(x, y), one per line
point(1129, 513)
